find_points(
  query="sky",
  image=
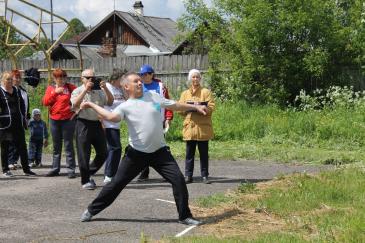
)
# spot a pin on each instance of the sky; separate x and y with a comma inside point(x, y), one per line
point(90, 12)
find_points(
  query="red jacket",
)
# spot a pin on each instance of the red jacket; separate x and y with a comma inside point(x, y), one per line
point(59, 104)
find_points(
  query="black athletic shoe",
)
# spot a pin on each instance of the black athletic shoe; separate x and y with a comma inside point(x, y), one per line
point(29, 173)
point(52, 173)
point(190, 221)
point(71, 175)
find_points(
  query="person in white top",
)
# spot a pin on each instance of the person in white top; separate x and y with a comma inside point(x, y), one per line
point(112, 129)
point(147, 146)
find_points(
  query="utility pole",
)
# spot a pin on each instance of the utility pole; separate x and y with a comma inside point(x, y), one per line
point(51, 21)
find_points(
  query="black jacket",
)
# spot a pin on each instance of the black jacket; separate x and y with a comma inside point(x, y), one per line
point(5, 116)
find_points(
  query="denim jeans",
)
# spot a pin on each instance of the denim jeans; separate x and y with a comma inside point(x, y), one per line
point(35, 151)
point(63, 130)
point(114, 151)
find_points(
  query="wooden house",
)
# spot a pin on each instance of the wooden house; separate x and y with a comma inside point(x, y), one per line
point(123, 34)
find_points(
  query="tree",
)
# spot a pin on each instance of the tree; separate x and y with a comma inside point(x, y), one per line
point(13, 38)
point(77, 27)
point(275, 48)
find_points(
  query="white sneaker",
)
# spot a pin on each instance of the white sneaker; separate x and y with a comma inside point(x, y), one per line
point(12, 167)
point(107, 179)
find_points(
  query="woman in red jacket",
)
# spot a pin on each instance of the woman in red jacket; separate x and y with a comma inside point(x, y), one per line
point(62, 126)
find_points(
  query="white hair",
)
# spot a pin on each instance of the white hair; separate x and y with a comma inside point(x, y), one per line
point(193, 71)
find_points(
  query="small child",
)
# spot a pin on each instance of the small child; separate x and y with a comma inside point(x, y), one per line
point(38, 138)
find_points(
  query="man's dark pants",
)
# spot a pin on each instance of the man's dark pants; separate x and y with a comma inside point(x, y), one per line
point(132, 164)
point(90, 133)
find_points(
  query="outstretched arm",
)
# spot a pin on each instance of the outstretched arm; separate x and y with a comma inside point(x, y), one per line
point(106, 115)
point(186, 107)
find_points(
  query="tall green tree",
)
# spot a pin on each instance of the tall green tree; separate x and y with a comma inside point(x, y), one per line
point(267, 50)
point(77, 27)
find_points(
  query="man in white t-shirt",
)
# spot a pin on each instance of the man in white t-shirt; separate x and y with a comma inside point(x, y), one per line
point(147, 146)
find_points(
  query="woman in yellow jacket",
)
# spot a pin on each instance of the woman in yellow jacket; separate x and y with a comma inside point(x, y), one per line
point(197, 128)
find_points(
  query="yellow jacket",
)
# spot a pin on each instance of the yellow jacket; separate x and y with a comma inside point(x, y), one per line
point(198, 126)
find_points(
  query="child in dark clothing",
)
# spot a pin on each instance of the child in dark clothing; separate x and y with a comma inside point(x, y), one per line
point(38, 138)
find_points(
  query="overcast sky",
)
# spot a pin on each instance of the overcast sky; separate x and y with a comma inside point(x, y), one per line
point(90, 12)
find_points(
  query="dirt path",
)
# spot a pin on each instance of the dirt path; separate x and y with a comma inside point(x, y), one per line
point(43, 209)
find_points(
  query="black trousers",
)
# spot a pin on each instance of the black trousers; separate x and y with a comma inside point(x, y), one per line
point(146, 171)
point(132, 163)
point(14, 135)
point(190, 154)
point(90, 133)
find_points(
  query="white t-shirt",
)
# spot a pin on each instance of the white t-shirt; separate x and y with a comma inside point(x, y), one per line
point(144, 121)
point(118, 99)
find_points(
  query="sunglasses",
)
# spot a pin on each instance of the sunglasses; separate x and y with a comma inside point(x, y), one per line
point(88, 77)
point(149, 73)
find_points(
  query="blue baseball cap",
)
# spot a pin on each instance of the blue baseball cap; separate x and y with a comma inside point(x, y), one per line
point(146, 69)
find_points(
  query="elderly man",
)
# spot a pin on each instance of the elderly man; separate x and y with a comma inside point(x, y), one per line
point(146, 147)
point(150, 83)
point(88, 127)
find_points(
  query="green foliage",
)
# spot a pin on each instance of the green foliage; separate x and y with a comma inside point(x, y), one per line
point(333, 97)
point(267, 51)
point(13, 38)
point(76, 27)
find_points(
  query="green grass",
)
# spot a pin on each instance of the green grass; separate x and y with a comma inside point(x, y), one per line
point(329, 207)
point(212, 200)
point(270, 238)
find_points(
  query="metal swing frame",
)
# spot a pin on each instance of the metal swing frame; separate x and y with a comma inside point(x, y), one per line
point(14, 49)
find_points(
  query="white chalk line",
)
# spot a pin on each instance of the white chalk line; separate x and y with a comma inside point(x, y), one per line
point(165, 201)
point(185, 230)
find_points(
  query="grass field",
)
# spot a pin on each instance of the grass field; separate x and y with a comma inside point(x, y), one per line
point(329, 207)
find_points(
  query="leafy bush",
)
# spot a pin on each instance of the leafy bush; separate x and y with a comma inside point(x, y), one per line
point(333, 97)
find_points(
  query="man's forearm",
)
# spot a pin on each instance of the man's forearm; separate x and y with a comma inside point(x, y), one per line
point(105, 114)
point(182, 107)
point(77, 101)
point(109, 97)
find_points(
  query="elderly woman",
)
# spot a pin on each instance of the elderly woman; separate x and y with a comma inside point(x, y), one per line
point(17, 82)
point(12, 124)
point(62, 126)
point(197, 128)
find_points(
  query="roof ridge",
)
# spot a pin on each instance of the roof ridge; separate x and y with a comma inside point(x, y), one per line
point(149, 28)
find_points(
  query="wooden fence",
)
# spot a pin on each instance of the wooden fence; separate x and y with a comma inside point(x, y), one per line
point(173, 70)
